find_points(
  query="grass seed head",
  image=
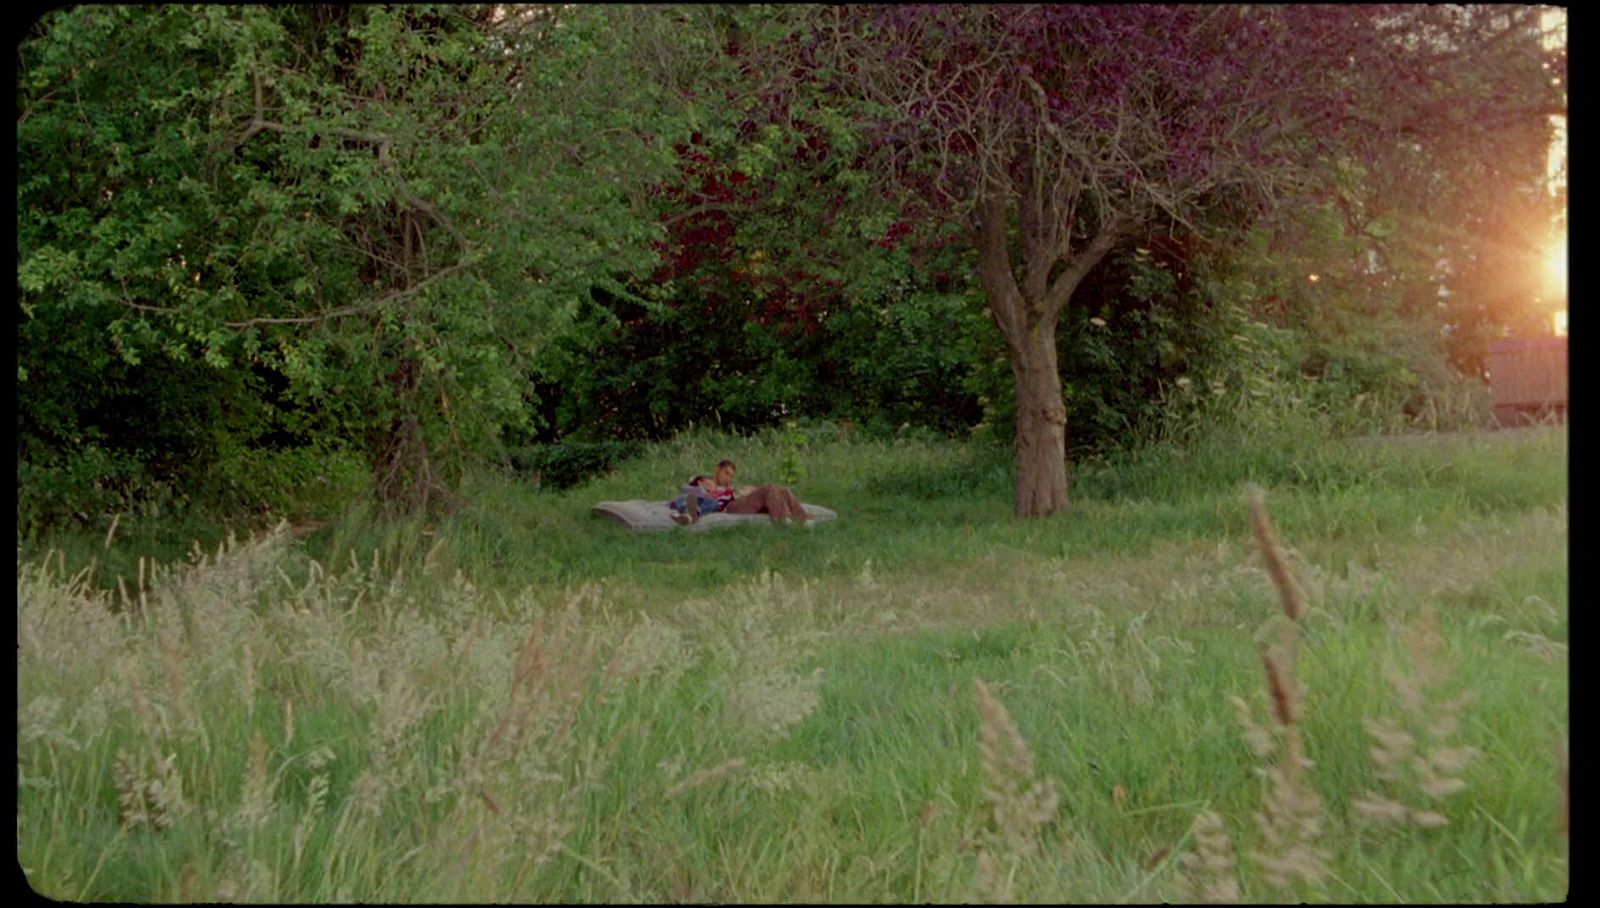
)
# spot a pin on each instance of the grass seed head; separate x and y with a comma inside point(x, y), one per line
point(1280, 687)
point(705, 777)
point(1412, 751)
point(1210, 872)
point(1289, 595)
point(1022, 802)
point(256, 801)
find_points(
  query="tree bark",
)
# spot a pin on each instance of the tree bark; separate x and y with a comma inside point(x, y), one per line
point(1029, 328)
point(1026, 315)
point(1041, 425)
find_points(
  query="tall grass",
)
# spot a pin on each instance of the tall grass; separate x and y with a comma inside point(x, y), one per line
point(924, 701)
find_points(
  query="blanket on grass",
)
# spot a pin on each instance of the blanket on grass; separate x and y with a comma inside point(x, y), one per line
point(643, 516)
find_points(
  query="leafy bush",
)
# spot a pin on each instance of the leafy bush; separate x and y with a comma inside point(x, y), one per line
point(1146, 319)
point(293, 483)
point(908, 360)
point(79, 484)
point(567, 464)
point(629, 370)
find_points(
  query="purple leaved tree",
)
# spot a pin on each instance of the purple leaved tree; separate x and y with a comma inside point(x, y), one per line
point(1049, 133)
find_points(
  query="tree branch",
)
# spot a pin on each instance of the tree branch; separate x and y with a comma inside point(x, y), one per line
point(384, 143)
point(994, 268)
point(341, 312)
point(1087, 258)
point(705, 208)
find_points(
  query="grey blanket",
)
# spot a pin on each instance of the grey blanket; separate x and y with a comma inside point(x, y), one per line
point(643, 516)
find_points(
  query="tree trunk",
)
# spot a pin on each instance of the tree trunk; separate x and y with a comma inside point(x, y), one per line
point(1041, 425)
point(1026, 314)
point(405, 478)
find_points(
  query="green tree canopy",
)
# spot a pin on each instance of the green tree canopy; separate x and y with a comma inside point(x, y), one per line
point(388, 209)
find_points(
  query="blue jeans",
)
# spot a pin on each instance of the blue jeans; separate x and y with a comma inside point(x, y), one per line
point(707, 504)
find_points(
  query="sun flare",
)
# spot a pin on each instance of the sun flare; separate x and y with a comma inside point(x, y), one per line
point(1555, 266)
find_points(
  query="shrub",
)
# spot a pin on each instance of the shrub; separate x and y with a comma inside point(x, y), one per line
point(293, 483)
point(567, 464)
point(80, 484)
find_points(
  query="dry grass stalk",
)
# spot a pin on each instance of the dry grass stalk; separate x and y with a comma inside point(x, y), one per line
point(613, 675)
point(1279, 688)
point(1290, 820)
point(1271, 552)
point(149, 793)
point(247, 682)
point(1261, 739)
point(1290, 823)
point(433, 550)
point(769, 690)
point(529, 666)
point(1538, 644)
point(1413, 752)
point(131, 807)
point(1291, 817)
point(519, 782)
point(705, 777)
point(650, 651)
point(553, 673)
point(1022, 801)
point(997, 887)
point(1211, 874)
point(256, 801)
point(149, 721)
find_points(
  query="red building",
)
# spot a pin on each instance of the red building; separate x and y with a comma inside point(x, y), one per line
point(1528, 378)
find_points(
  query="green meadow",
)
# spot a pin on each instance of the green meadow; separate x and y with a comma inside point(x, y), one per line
point(1147, 355)
point(925, 700)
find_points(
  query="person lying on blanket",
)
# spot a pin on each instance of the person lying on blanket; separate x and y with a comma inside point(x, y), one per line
point(711, 494)
point(700, 496)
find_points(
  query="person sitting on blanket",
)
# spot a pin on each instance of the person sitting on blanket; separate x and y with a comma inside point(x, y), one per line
point(717, 493)
point(700, 496)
